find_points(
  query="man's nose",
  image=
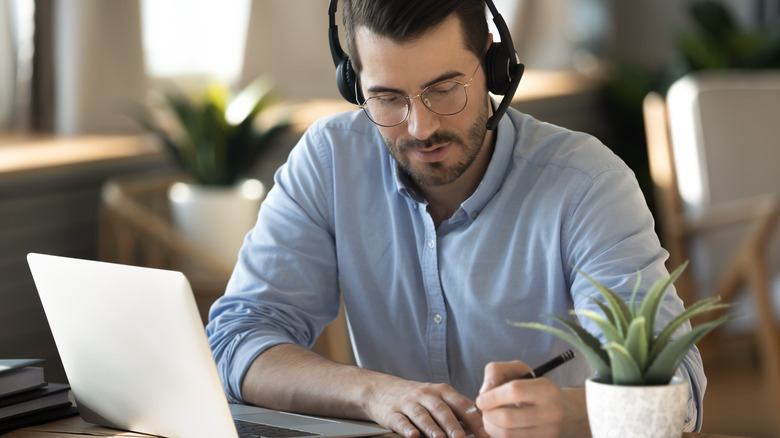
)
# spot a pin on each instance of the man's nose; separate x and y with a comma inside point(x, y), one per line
point(422, 122)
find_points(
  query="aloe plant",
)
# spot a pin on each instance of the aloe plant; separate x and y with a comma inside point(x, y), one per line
point(214, 137)
point(633, 353)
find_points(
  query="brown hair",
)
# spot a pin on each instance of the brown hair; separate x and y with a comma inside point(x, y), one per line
point(407, 20)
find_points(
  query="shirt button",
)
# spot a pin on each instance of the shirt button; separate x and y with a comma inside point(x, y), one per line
point(437, 318)
point(459, 213)
point(474, 215)
point(431, 243)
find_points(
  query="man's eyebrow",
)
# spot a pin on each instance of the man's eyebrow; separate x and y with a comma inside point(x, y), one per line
point(441, 78)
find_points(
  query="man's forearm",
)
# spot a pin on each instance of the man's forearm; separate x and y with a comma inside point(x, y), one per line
point(289, 377)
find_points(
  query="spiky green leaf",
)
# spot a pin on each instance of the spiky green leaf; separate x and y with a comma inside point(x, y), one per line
point(587, 344)
point(651, 304)
point(663, 367)
point(183, 109)
point(615, 303)
point(610, 331)
point(635, 292)
point(249, 102)
point(698, 308)
point(604, 309)
point(636, 342)
point(625, 371)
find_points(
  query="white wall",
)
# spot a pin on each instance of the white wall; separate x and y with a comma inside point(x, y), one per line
point(289, 41)
point(99, 67)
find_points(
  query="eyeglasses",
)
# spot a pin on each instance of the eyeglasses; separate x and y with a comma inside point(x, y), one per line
point(444, 98)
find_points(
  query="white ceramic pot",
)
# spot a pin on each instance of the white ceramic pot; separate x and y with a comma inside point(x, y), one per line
point(636, 411)
point(216, 217)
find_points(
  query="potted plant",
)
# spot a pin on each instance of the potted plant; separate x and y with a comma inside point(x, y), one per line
point(215, 138)
point(635, 392)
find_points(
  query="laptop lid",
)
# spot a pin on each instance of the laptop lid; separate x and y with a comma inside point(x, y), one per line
point(136, 355)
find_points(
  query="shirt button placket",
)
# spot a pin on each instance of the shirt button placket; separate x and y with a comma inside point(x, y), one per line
point(436, 330)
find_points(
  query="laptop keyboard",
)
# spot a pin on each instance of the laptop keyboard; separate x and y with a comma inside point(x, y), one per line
point(248, 429)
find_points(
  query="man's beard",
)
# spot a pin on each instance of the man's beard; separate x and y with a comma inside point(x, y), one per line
point(437, 174)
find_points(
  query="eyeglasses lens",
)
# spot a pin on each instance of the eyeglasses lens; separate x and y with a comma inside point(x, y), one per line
point(391, 109)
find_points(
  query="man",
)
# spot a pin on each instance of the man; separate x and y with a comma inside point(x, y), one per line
point(435, 231)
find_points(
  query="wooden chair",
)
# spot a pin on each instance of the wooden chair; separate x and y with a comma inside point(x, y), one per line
point(135, 228)
point(714, 152)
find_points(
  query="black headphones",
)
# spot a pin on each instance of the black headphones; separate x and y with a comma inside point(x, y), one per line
point(502, 66)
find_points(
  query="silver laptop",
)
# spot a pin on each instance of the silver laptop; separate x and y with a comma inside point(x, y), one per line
point(135, 352)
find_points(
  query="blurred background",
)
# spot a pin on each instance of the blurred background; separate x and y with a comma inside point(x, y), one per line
point(87, 88)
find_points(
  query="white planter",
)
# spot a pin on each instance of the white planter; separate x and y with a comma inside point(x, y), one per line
point(217, 218)
point(636, 411)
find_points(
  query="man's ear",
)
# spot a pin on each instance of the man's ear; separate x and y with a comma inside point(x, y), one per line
point(489, 42)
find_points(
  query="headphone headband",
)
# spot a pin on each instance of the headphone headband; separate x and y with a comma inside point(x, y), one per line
point(503, 69)
point(333, 35)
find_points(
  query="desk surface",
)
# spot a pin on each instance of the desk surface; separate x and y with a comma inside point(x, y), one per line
point(75, 427)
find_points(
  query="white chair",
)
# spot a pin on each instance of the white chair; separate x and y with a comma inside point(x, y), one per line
point(714, 151)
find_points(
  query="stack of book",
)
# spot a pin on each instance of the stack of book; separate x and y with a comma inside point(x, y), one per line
point(25, 396)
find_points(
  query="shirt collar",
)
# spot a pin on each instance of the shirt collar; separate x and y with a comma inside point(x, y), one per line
point(404, 184)
point(496, 171)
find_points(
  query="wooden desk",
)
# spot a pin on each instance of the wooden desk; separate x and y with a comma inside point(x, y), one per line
point(76, 427)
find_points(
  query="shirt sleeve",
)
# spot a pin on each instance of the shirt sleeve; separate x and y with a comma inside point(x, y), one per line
point(284, 288)
point(611, 237)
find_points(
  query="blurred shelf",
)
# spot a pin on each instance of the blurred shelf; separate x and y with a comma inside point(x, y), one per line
point(29, 153)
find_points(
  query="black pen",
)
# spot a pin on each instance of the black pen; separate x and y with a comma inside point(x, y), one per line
point(549, 365)
point(541, 370)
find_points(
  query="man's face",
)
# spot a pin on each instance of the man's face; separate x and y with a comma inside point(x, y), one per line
point(434, 150)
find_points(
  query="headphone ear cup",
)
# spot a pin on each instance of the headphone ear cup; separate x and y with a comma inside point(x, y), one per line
point(346, 80)
point(497, 69)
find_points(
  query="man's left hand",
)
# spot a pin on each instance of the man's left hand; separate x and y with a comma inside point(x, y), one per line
point(513, 407)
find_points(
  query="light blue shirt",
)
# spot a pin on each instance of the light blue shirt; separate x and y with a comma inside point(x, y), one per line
point(432, 304)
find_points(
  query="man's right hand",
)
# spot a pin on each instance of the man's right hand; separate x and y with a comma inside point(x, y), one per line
point(411, 408)
point(291, 378)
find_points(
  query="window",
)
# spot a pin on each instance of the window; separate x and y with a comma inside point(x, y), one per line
point(16, 49)
point(194, 38)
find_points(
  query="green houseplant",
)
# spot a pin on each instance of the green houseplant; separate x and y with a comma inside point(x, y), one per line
point(633, 353)
point(216, 138)
point(636, 364)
